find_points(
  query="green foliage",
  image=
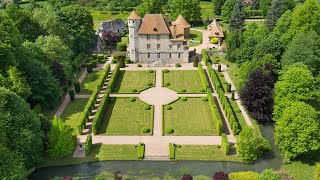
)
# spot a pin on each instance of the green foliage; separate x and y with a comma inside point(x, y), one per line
point(37, 109)
point(114, 77)
point(216, 116)
point(203, 77)
point(71, 94)
point(236, 20)
point(243, 175)
point(196, 61)
point(205, 57)
point(178, 65)
point(169, 130)
point(121, 46)
point(77, 86)
point(88, 144)
point(149, 7)
point(100, 112)
point(227, 10)
point(189, 9)
point(184, 99)
point(250, 145)
point(317, 172)
point(147, 107)
point(278, 7)
point(168, 107)
point(166, 71)
point(61, 141)
point(218, 6)
point(141, 150)
point(133, 99)
point(12, 166)
point(228, 87)
point(204, 98)
point(298, 124)
point(145, 130)
point(269, 174)
point(21, 132)
point(225, 144)
point(171, 151)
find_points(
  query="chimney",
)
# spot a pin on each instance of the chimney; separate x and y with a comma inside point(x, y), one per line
point(166, 18)
point(174, 30)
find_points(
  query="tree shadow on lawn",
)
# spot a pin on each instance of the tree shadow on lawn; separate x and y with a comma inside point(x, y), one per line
point(107, 115)
point(119, 80)
point(89, 79)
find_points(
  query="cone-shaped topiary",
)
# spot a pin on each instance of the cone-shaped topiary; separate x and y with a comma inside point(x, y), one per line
point(195, 61)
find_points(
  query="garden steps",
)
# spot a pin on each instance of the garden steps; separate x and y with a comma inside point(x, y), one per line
point(99, 100)
point(94, 111)
point(96, 105)
point(156, 158)
point(102, 91)
point(90, 118)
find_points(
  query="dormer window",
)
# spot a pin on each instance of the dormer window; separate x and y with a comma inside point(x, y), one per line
point(132, 22)
point(216, 33)
point(154, 28)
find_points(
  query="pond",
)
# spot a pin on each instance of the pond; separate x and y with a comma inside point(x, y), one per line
point(148, 169)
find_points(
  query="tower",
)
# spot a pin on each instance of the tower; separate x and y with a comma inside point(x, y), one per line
point(134, 21)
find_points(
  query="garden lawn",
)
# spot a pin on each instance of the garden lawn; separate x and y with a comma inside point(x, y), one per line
point(128, 81)
point(183, 80)
point(72, 112)
point(203, 152)
point(98, 152)
point(124, 117)
point(239, 115)
point(300, 171)
point(91, 82)
point(232, 70)
point(195, 36)
point(189, 118)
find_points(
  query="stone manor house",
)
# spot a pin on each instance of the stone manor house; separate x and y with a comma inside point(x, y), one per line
point(155, 40)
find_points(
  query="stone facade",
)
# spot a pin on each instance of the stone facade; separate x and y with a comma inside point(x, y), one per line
point(154, 43)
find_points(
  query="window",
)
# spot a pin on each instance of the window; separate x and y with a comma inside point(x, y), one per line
point(170, 55)
point(158, 55)
point(148, 55)
point(170, 46)
point(158, 37)
point(158, 46)
point(179, 46)
point(148, 46)
point(132, 22)
point(179, 55)
point(148, 37)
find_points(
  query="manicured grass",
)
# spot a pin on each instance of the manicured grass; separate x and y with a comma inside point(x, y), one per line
point(183, 80)
point(108, 15)
point(72, 113)
point(223, 81)
point(232, 70)
point(240, 117)
point(124, 117)
point(91, 82)
point(300, 171)
point(98, 153)
point(203, 152)
point(195, 38)
point(129, 81)
point(189, 118)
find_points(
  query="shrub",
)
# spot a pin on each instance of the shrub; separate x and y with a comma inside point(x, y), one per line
point(71, 94)
point(166, 71)
point(141, 149)
point(220, 176)
point(232, 96)
point(225, 144)
point(151, 71)
point(128, 61)
point(171, 151)
point(184, 99)
point(94, 56)
point(169, 130)
point(133, 99)
point(205, 57)
point(167, 84)
point(221, 75)
point(203, 77)
point(228, 87)
point(121, 62)
point(150, 84)
point(269, 174)
point(134, 90)
point(183, 90)
point(103, 61)
point(243, 175)
point(214, 41)
point(88, 144)
point(100, 57)
point(37, 109)
point(139, 65)
point(94, 63)
point(219, 67)
point(77, 86)
point(178, 65)
point(168, 107)
point(204, 98)
point(187, 177)
point(89, 67)
point(196, 62)
point(101, 109)
point(145, 130)
point(147, 107)
point(202, 90)
point(121, 46)
point(114, 61)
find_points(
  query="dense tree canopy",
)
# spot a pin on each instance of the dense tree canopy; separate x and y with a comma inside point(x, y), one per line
point(189, 9)
point(227, 10)
point(237, 16)
point(149, 7)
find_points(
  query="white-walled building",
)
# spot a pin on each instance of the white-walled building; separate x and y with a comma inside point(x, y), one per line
point(155, 39)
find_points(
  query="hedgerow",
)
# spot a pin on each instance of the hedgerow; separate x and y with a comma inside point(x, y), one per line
point(88, 144)
point(141, 149)
point(203, 77)
point(205, 57)
point(171, 151)
point(225, 144)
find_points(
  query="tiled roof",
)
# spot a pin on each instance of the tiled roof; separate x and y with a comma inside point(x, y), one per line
point(179, 34)
point(153, 24)
point(215, 29)
point(134, 15)
point(181, 21)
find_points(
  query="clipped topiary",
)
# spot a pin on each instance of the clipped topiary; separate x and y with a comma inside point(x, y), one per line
point(89, 67)
point(168, 107)
point(145, 130)
point(166, 71)
point(232, 96)
point(184, 99)
point(167, 84)
point(139, 65)
point(147, 107)
point(183, 90)
point(71, 94)
point(133, 99)
point(221, 75)
point(196, 61)
point(134, 90)
point(151, 71)
point(77, 86)
point(205, 98)
point(169, 131)
point(115, 90)
point(178, 65)
point(202, 90)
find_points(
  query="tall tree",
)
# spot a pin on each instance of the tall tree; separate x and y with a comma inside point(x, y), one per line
point(21, 128)
point(79, 23)
point(237, 16)
point(227, 10)
point(278, 7)
point(60, 3)
point(295, 84)
point(11, 165)
point(264, 6)
point(298, 130)
point(233, 43)
point(308, 44)
point(149, 7)
point(189, 9)
point(218, 4)
point(257, 95)
point(61, 140)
